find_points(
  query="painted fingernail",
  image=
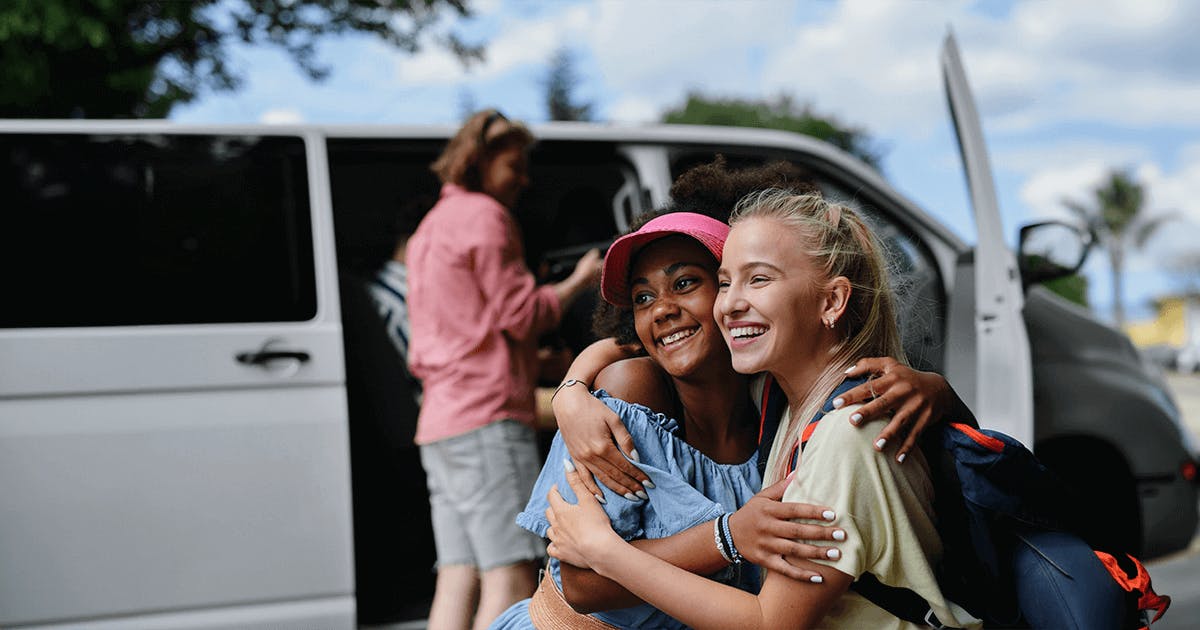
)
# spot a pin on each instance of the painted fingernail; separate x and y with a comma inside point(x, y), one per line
point(839, 535)
point(649, 484)
point(838, 402)
point(631, 496)
point(900, 457)
point(633, 455)
point(856, 418)
point(833, 554)
point(568, 466)
point(600, 498)
point(828, 515)
point(880, 443)
point(849, 369)
point(643, 495)
point(816, 579)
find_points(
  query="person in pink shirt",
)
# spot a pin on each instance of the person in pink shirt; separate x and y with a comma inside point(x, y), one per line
point(476, 314)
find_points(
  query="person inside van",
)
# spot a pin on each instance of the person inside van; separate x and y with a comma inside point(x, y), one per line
point(476, 314)
point(389, 285)
point(802, 293)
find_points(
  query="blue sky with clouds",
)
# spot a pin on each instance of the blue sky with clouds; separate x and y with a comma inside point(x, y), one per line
point(1067, 89)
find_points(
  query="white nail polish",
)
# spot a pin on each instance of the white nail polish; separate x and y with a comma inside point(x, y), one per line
point(856, 418)
point(849, 369)
point(880, 443)
point(633, 455)
point(600, 498)
point(631, 496)
point(648, 484)
point(816, 579)
point(838, 402)
point(833, 554)
point(900, 457)
point(839, 535)
point(643, 495)
point(568, 466)
point(828, 515)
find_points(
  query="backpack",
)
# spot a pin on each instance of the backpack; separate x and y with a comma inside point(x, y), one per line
point(1013, 555)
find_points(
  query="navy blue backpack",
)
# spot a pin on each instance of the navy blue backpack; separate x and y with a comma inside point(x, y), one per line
point(1012, 553)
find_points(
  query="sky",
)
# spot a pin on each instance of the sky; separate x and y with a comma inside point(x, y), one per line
point(1067, 90)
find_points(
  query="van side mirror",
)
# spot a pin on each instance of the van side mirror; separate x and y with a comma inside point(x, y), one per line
point(1051, 250)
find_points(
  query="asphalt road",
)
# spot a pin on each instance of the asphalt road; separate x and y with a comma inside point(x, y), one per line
point(1179, 575)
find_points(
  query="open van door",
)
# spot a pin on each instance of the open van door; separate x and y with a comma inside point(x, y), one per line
point(1003, 383)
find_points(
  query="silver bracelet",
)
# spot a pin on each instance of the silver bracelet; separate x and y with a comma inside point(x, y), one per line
point(567, 383)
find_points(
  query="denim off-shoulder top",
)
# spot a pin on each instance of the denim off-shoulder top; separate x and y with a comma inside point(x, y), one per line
point(689, 489)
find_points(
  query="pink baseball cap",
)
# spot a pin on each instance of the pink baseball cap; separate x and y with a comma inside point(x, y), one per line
point(614, 281)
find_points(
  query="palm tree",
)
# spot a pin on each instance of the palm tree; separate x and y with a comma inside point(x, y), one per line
point(1116, 217)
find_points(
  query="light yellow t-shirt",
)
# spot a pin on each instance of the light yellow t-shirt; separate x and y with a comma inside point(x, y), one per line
point(887, 512)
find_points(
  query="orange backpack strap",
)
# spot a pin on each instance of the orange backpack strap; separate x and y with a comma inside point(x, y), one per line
point(1136, 580)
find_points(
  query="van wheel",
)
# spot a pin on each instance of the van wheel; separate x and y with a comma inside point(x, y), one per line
point(1107, 495)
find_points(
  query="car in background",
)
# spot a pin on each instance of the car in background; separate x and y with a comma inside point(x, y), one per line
point(204, 425)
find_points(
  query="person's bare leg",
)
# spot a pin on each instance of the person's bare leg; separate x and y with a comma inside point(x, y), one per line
point(502, 587)
point(454, 598)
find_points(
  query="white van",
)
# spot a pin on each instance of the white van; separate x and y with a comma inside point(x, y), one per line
point(203, 425)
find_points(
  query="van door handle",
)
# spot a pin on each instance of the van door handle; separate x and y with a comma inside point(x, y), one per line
point(266, 356)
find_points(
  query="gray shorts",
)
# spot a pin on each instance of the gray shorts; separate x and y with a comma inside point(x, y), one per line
point(478, 482)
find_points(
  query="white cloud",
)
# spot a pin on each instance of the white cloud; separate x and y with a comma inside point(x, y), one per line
point(281, 116)
point(520, 42)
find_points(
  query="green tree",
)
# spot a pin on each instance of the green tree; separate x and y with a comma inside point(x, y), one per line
point(560, 84)
point(780, 113)
point(1116, 213)
point(138, 58)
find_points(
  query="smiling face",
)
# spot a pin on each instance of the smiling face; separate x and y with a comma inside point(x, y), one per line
point(771, 301)
point(504, 174)
point(672, 285)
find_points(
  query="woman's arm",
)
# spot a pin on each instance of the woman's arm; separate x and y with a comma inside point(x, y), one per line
point(914, 399)
point(580, 534)
point(589, 427)
point(768, 534)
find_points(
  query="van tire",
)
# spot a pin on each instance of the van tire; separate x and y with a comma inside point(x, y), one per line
point(1110, 513)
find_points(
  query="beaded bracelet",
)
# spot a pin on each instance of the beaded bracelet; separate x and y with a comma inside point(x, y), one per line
point(717, 538)
point(736, 557)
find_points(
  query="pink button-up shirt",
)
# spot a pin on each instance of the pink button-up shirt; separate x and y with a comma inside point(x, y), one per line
point(475, 314)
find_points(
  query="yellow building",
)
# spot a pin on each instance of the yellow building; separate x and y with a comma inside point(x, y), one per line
point(1177, 323)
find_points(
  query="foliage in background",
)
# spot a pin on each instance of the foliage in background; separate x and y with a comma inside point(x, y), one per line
point(1116, 214)
point(1073, 287)
point(780, 113)
point(560, 83)
point(138, 58)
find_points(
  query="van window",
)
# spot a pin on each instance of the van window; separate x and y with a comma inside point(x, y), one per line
point(118, 230)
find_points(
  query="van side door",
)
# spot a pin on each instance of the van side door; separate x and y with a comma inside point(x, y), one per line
point(1002, 368)
point(173, 444)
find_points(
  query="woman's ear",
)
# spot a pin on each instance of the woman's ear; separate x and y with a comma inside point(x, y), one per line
point(837, 298)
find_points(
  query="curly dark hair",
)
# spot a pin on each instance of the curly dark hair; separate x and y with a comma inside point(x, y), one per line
point(713, 190)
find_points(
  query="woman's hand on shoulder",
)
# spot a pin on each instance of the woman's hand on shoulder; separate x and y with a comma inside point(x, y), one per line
point(914, 399)
point(596, 437)
point(765, 532)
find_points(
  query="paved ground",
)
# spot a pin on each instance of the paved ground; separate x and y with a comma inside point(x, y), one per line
point(1179, 575)
point(1187, 395)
